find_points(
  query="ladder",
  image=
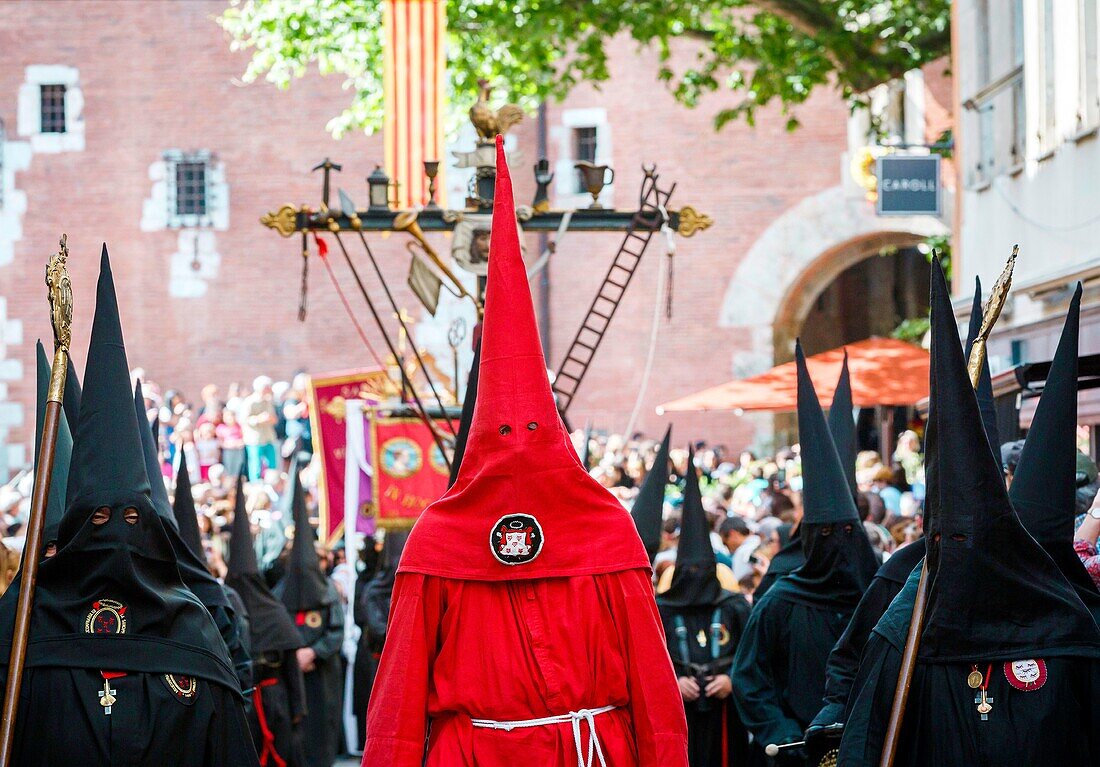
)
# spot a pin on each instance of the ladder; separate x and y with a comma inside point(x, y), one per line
point(644, 224)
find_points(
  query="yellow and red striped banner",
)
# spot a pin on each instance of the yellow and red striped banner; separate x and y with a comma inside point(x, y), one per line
point(415, 68)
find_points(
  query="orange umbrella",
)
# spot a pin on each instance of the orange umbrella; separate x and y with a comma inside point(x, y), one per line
point(884, 372)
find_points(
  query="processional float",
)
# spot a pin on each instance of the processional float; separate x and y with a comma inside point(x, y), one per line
point(430, 272)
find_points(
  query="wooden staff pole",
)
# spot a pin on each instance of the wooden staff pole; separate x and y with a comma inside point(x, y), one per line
point(916, 623)
point(61, 313)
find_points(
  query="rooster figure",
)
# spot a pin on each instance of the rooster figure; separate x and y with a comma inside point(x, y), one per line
point(491, 123)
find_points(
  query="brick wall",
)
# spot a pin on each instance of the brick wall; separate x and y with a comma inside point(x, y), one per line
point(156, 76)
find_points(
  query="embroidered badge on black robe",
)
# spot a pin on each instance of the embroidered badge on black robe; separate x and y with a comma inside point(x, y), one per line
point(106, 617)
point(185, 688)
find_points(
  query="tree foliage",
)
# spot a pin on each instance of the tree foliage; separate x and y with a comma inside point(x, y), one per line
point(756, 52)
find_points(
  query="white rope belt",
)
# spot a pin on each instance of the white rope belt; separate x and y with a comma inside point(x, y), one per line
point(573, 718)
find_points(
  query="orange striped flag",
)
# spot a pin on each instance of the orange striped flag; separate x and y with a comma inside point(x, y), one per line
point(415, 67)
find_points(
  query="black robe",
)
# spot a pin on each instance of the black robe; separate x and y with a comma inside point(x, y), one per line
point(716, 736)
point(324, 686)
point(368, 651)
point(1053, 725)
point(282, 694)
point(786, 561)
point(840, 672)
point(779, 670)
point(148, 724)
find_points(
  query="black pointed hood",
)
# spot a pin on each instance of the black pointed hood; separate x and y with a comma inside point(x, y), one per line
point(63, 453)
point(99, 475)
point(192, 565)
point(842, 426)
point(467, 417)
point(586, 448)
point(995, 594)
point(649, 505)
point(119, 577)
point(71, 403)
point(840, 562)
point(1043, 490)
point(985, 382)
point(157, 491)
point(695, 579)
point(270, 624)
point(304, 587)
point(183, 508)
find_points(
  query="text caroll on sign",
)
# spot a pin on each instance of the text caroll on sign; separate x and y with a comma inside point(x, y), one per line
point(908, 185)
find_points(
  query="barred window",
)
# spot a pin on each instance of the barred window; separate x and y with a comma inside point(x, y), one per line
point(52, 108)
point(191, 188)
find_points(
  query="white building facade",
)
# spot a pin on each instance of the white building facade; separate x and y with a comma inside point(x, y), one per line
point(1028, 155)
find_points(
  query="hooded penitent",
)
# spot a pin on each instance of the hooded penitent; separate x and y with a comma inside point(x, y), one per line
point(1043, 490)
point(304, 587)
point(695, 581)
point(985, 381)
point(466, 419)
point(63, 452)
point(192, 567)
point(522, 507)
point(842, 425)
point(842, 428)
point(112, 596)
point(272, 628)
point(183, 507)
point(839, 559)
point(649, 505)
point(995, 593)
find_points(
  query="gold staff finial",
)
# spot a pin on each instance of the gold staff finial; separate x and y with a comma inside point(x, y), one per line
point(61, 312)
point(992, 311)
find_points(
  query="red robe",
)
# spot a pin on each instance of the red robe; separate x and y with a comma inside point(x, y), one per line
point(507, 651)
point(523, 593)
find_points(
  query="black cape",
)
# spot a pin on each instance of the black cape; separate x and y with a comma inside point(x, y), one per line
point(703, 625)
point(842, 428)
point(63, 453)
point(318, 613)
point(844, 659)
point(229, 623)
point(278, 699)
point(997, 604)
point(112, 599)
point(649, 505)
point(467, 417)
point(1044, 485)
point(779, 670)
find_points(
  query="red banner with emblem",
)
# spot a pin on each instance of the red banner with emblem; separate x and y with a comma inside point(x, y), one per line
point(328, 396)
point(409, 470)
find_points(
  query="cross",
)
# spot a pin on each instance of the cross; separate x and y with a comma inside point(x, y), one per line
point(107, 697)
point(983, 704)
point(327, 166)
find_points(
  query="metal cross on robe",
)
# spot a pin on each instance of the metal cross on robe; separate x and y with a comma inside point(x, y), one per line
point(984, 704)
point(107, 697)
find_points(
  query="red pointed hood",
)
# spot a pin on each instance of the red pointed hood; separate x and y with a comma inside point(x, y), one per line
point(522, 506)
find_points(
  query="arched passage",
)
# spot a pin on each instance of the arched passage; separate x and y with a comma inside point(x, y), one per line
point(798, 259)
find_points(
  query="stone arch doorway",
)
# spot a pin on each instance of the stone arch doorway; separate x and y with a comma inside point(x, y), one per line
point(862, 288)
point(806, 256)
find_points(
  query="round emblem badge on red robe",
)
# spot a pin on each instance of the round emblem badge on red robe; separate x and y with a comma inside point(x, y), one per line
point(516, 539)
point(1026, 675)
